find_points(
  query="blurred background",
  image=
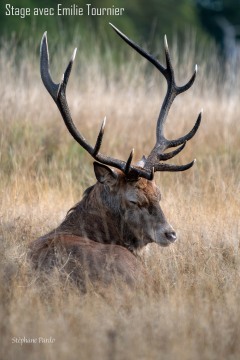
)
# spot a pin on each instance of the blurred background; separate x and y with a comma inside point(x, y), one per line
point(208, 20)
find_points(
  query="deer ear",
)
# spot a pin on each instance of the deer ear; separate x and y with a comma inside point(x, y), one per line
point(104, 174)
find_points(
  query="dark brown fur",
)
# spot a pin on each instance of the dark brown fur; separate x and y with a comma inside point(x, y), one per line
point(100, 236)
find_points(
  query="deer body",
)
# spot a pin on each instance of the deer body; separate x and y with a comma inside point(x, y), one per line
point(86, 260)
point(114, 220)
point(120, 214)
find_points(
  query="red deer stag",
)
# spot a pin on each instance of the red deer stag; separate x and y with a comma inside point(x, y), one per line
point(120, 214)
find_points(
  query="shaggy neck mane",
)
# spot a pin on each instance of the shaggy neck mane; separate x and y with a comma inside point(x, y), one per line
point(105, 225)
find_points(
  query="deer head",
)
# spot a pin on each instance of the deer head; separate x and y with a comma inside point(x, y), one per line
point(124, 203)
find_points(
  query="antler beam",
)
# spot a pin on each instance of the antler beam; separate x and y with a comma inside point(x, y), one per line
point(157, 153)
point(58, 93)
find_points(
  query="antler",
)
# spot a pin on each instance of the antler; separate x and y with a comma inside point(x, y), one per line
point(157, 153)
point(58, 93)
point(149, 164)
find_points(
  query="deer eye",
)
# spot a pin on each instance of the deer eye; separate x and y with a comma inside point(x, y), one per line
point(132, 197)
point(134, 202)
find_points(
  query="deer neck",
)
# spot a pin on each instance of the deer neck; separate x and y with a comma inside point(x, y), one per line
point(91, 219)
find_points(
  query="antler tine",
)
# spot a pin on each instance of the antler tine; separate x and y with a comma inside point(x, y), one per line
point(141, 51)
point(58, 93)
point(157, 153)
point(99, 138)
point(173, 168)
point(171, 154)
point(51, 87)
point(128, 163)
point(188, 136)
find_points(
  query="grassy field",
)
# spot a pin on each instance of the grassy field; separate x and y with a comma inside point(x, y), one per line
point(190, 309)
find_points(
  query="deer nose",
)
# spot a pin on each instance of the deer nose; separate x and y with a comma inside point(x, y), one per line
point(171, 235)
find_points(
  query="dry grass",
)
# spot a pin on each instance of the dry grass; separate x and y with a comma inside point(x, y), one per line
point(190, 310)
